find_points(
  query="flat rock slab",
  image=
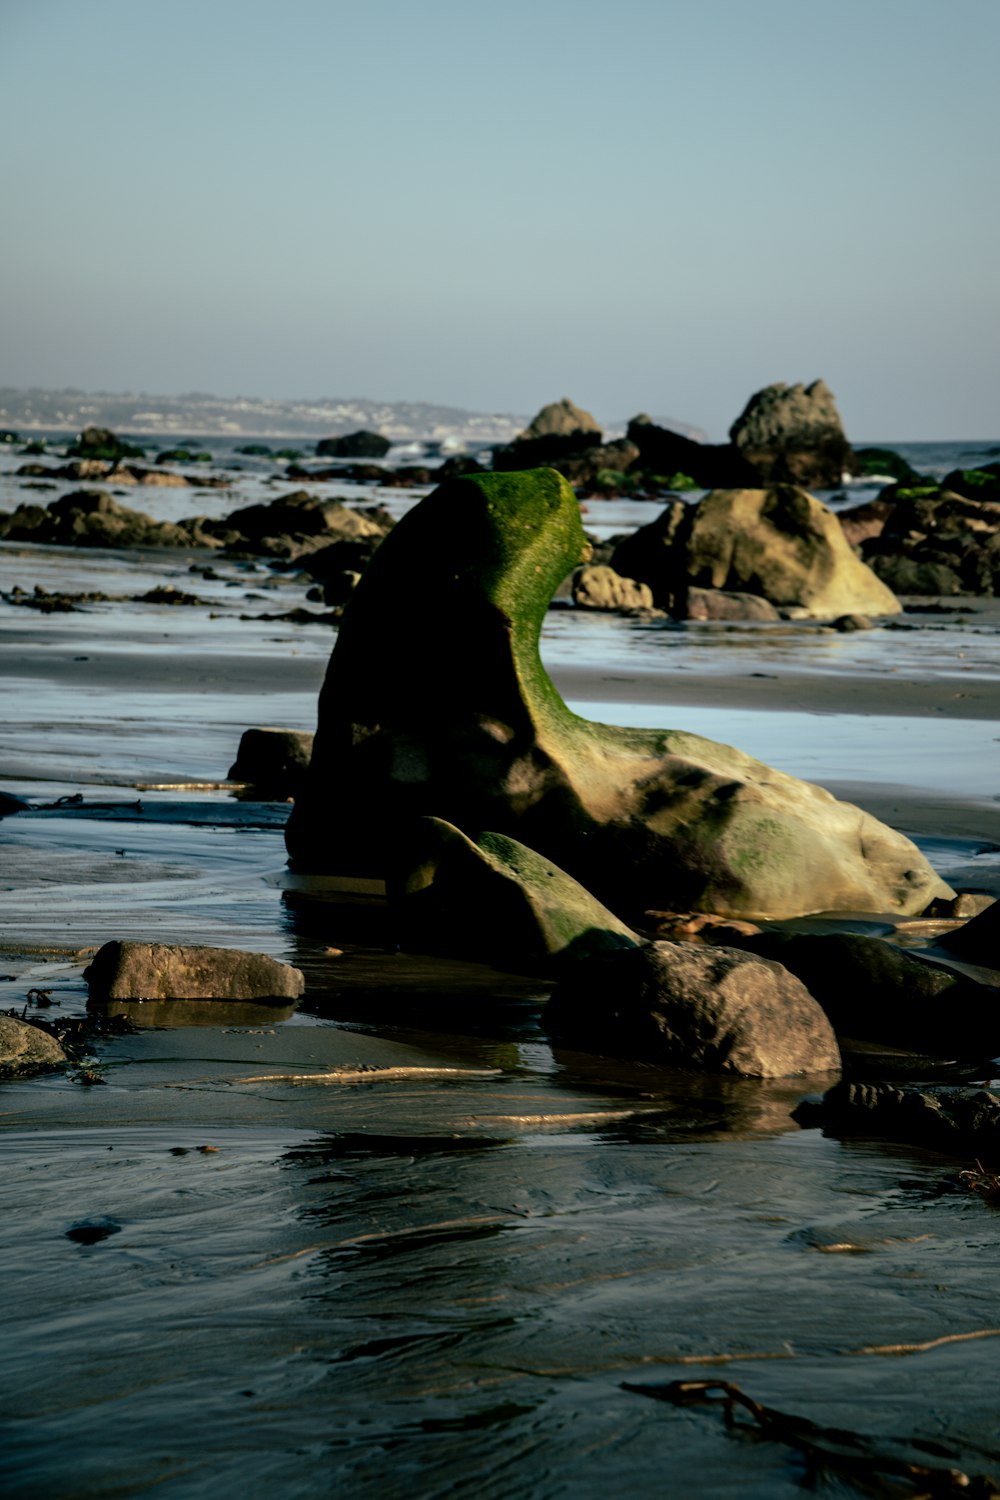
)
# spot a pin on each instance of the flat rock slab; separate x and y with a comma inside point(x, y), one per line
point(26, 1049)
point(157, 971)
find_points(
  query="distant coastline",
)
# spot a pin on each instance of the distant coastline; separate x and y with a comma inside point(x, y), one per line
point(198, 414)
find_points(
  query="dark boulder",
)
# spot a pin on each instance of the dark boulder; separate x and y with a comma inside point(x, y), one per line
point(493, 900)
point(884, 463)
point(273, 762)
point(975, 484)
point(100, 442)
point(931, 529)
point(862, 522)
point(92, 518)
point(666, 455)
point(295, 524)
point(712, 1008)
point(963, 1121)
point(978, 941)
point(873, 991)
point(354, 445)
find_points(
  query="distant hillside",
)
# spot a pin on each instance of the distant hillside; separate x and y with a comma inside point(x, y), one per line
point(197, 414)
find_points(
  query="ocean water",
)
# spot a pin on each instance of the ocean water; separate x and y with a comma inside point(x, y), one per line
point(395, 1243)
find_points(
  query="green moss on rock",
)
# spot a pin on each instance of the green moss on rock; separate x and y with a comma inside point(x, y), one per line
point(436, 703)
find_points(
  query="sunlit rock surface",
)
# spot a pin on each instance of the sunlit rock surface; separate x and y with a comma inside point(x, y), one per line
point(436, 702)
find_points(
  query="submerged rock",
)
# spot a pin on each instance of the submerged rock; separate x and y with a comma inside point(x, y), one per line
point(26, 1049)
point(436, 702)
point(156, 971)
point(714, 1008)
point(493, 899)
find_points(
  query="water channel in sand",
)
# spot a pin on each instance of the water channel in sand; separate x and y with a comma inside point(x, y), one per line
point(423, 1250)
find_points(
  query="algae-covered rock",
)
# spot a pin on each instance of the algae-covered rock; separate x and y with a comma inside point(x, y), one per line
point(436, 702)
point(493, 899)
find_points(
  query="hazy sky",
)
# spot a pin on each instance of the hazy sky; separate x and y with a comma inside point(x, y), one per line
point(655, 205)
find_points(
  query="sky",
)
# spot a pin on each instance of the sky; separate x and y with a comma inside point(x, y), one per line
point(644, 205)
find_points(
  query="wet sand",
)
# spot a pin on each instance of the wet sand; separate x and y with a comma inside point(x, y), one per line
point(425, 1249)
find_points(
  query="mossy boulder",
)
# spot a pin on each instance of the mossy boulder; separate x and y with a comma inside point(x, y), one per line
point(436, 702)
point(493, 899)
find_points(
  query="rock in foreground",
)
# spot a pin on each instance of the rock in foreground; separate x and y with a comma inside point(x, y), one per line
point(156, 971)
point(436, 703)
point(716, 1009)
point(26, 1049)
point(495, 899)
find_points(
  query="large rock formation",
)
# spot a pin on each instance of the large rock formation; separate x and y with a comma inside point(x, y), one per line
point(793, 434)
point(436, 702)
point(781, 544)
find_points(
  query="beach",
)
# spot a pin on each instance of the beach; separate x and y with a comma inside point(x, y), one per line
point(393, 1241)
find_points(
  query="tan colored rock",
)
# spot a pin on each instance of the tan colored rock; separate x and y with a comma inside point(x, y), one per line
point(786, 545)
point(599, 587)
point(559, 419)
point(156, 971)
point(26, 1049)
